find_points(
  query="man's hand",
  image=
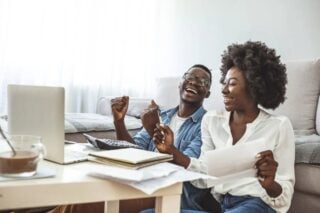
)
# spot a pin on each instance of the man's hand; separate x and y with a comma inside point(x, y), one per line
point(119, 107)
point(163, 138)
point(150, 118)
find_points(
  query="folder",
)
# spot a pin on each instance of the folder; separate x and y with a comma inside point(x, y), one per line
point(129, 158)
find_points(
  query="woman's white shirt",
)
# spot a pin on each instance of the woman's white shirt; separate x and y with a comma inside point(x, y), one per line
point(278, 135)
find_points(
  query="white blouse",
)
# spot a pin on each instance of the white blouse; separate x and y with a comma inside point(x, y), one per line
point(278, 135)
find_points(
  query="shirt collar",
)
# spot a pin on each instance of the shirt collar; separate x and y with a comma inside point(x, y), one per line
point(261, 116)
point(195, 116)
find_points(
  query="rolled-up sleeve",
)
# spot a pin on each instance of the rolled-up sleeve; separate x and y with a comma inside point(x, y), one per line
point(284, 154)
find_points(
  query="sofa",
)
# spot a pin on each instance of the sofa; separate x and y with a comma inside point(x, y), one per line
point(302, 107)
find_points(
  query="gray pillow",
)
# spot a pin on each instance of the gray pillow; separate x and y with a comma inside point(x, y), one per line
point(302, 95)
point(318, 117)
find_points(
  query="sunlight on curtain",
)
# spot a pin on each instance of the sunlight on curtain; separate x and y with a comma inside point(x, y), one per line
point(91, 47)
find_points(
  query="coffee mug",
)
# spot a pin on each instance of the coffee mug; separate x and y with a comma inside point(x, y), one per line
point(24, 162)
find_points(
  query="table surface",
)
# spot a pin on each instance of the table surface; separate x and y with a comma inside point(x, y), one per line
point(71, 185)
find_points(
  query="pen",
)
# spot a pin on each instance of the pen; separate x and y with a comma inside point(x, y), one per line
point(160, 119)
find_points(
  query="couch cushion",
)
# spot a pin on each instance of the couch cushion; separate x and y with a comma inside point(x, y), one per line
point(318, 117)
point(167, 92)
point(85, 122)
point(304, 202)
point(308, 149)
point(136, 106)
point(302, 95)
point(307, 189)
point(307, 178)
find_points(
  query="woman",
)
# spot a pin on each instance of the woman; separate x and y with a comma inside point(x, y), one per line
point(253, 78)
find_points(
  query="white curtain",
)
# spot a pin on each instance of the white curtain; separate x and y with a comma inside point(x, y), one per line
point(91, 47)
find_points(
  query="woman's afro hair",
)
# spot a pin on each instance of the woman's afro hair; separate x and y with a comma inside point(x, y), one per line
point(265, 75)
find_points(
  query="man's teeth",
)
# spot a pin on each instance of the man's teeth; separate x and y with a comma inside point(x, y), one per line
point(192, 90)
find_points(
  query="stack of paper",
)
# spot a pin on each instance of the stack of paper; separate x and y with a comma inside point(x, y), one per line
point(224, 165)
point(148, 179)
point(129, 158)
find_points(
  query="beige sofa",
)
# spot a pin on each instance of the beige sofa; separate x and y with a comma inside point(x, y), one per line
point(302, 107)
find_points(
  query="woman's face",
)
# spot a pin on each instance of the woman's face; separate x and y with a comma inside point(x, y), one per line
point(234, 91)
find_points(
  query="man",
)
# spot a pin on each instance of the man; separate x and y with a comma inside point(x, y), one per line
point(184, 120)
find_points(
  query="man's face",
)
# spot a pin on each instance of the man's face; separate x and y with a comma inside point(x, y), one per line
point(195, 85)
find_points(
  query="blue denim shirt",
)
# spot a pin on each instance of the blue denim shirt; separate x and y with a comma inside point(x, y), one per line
point(188, 141)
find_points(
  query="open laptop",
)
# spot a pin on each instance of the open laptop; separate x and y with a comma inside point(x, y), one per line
point(39, 110)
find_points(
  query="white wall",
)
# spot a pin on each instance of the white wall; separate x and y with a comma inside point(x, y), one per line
point(63, 41)
point(202, 29)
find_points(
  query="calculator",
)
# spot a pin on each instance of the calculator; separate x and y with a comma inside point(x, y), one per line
point(109, 144)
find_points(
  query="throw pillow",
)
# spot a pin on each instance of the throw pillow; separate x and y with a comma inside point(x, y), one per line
point(167, 92)
point(302, 95)
point(318, 117)
point(136, 106)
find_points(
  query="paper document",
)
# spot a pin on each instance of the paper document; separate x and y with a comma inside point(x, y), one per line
point(152, 185)
point(149, 179)
point(128, 175)
point(233, 162)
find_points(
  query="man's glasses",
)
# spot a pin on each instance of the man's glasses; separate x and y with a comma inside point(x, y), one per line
point(201, 82)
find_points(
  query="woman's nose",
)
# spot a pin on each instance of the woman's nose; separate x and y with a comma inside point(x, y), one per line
point(224, 88)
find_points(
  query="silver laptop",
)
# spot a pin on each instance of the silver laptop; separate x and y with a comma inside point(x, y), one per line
point(39, 110)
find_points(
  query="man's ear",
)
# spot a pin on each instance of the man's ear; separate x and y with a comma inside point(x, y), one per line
point(208, 94)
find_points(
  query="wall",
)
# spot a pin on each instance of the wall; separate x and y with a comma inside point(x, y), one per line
point(124, 45)
point(202, 29)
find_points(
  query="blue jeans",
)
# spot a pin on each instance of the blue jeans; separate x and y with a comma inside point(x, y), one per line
point(182, 211)
point(192, 197)
point(235, 204)
point(244, 204)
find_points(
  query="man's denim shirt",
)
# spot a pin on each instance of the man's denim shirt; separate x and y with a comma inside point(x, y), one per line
point(188, 139)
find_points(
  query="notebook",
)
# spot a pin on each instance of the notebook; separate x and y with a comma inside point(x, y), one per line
point(39, 110)
point(129, 157)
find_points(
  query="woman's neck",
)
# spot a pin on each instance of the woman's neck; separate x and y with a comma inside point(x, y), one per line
point(245, 116)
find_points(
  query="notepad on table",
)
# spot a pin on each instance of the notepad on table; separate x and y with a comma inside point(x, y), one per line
point(129, 158)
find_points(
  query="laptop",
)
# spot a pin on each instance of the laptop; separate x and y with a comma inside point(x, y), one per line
point(39, 110)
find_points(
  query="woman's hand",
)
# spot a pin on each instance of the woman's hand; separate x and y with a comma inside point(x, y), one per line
point(163, 139)
point(266, 172)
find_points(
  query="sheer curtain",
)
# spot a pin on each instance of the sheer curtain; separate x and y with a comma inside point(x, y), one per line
point(91, 47)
